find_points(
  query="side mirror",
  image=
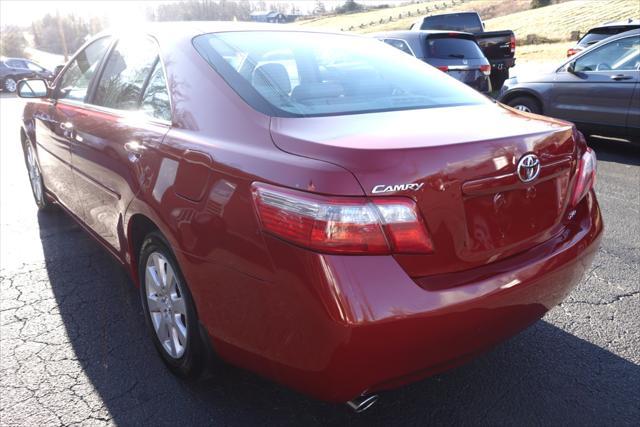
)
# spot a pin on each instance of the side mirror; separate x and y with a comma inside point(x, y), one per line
point(571, 68)
point(33, 88)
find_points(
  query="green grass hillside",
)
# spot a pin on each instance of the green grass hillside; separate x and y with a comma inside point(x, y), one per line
point(402, 17)
point(554, 22)
point(558, 20)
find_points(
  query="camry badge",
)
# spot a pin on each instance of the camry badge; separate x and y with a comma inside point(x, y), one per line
point(528, 168)
point(382, 188)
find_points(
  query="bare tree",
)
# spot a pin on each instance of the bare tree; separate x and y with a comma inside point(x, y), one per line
point(12, 42)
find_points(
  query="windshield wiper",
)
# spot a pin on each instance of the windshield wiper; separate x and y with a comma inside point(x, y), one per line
point(456, 55)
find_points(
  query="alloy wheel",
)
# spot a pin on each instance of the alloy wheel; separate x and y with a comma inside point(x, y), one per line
point(521, 107)
point(10, 85)
point(34, 176)
point(166, 303)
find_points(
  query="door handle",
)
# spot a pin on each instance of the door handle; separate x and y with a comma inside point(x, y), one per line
point(618, 77)
point(135, 150)
point(68, 130)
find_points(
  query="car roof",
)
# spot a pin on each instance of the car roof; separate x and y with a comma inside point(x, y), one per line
point(418, 33)
point(635, 31)
point(628, 23)
point(463, 12)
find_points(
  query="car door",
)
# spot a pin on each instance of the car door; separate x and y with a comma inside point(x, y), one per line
point(129, 112)
point(598, 91)
point(53, 131)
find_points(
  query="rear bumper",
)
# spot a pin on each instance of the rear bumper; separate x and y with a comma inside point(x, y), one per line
point(337, 326)
point(502, 64)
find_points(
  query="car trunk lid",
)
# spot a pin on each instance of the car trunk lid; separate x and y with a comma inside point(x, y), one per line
point(462, 164)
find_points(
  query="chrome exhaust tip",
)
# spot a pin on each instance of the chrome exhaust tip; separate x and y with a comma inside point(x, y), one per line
point(362, 403)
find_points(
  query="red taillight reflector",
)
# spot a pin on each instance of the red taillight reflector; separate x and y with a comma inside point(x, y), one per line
point(348, 225)
point(444, 68)
point(586, 170)
point(586, 176)
point(512, 43)
point(486, 69)
point(572, 51)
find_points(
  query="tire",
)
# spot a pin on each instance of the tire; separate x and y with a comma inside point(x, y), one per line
point(10, 85)
point(38, 189)
point(172, 319)
point(498, 78)
point(526, 104)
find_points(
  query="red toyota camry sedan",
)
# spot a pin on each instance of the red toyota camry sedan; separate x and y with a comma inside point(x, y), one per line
point(319, 208)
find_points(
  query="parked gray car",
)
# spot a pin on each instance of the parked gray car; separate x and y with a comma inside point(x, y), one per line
point(598, 89)
point(453, 52)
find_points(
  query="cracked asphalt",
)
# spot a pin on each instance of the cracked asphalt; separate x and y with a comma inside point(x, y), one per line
point(74, 349)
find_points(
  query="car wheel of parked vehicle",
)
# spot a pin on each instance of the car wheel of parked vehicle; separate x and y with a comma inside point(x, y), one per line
point(169, 309)
point(10, 85)
point(35, 177)
point(525, 103)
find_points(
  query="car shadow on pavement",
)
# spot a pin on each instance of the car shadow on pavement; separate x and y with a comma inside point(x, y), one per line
point(542, 376)
point(616, 151)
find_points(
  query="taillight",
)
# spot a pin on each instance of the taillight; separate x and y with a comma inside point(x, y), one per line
point(512, 43)
point(486, 69)
point(444, 68)
point(586, 174)
point(345, 225)
point(572, 51)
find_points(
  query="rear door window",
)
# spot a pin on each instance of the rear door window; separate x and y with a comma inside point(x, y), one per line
point(35, 67)
point(619, 55)
point(452, 48)
point(125, 73)
point(74, 83)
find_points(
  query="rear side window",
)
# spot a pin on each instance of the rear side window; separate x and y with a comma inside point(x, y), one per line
point(597, 34)
point(295, 74)
point(34, 67)
point(74, 83)
point(468, 22)
point(399, 44)
point(448, 48)
point(125, 73)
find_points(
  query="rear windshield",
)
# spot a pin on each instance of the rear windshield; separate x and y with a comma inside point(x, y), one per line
point(448, 48)
point(455, 22)
point(297, 74)
point(597, 34)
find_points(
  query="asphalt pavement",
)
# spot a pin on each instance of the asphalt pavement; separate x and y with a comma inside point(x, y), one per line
point(74, 349)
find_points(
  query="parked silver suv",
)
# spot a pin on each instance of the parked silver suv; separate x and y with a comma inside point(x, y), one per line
point(598, 89)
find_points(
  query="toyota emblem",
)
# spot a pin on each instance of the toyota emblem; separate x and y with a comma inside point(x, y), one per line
point(528, 168)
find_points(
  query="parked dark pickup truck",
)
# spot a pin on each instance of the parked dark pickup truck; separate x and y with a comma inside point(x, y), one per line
point(498, 46)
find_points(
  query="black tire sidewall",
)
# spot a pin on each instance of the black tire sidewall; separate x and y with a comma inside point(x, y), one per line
point(527, 101)
point(189, 365)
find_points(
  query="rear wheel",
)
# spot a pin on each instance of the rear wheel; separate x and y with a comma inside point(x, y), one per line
point(35, 177)
point(169, 310)
point(10, 85)
point(526, 104)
